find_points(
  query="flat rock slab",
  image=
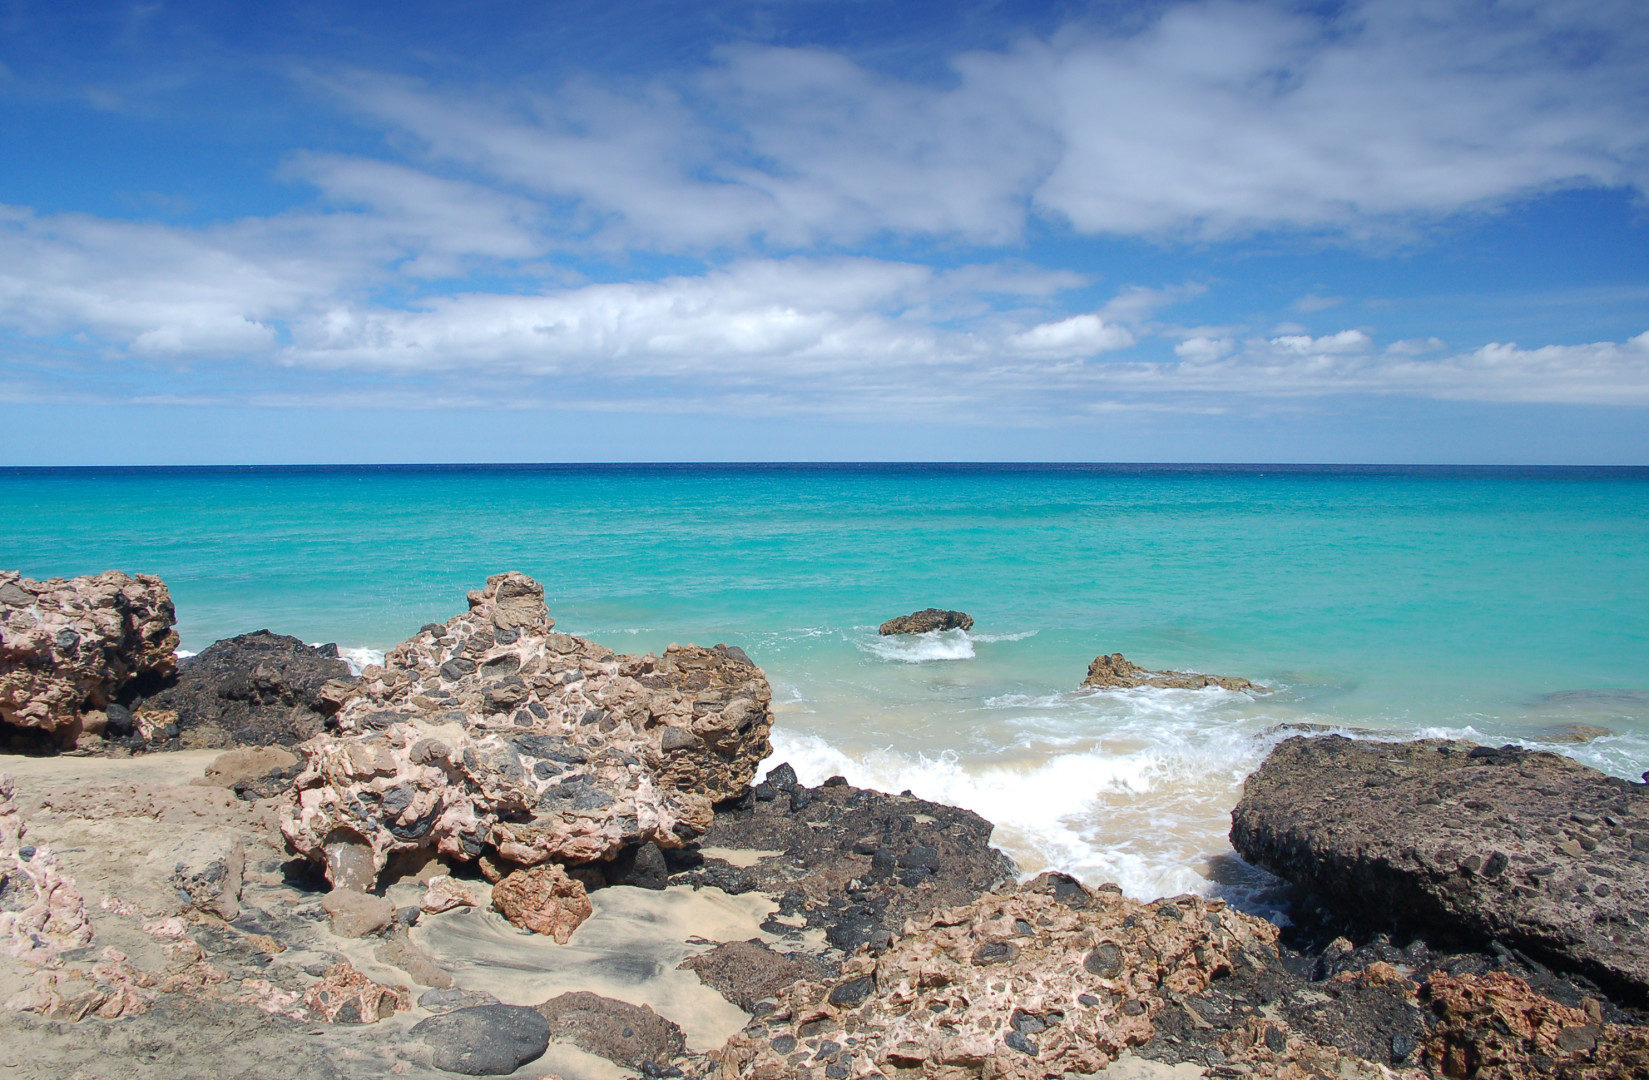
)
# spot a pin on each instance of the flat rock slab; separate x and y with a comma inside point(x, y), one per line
point(486, 1040)
point(1457, 841)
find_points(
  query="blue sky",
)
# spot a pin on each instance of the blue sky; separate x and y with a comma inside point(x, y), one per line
point(1390, 231)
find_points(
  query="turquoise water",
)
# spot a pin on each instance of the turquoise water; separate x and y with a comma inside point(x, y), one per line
point(1494, 604)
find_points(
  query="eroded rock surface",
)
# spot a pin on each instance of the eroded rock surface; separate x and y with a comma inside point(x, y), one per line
point(257, 689)
point(41, 912)
point(632, 1035)
point(485, 1040)
point(542, 899)
point(1532, 850)
point(1496, 1028)
point(70, 646)
point(852, 862)
point(494, 734)
point(926, 621)
point(1117, 672)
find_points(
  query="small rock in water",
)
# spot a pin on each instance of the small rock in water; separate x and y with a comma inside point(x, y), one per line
point(926, 621)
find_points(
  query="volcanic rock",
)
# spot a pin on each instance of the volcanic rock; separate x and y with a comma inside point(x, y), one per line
point(208, 869)
point(1494, 1025)
point(927, 620)
point(41, 912)
point(745, 972)
point(632, 1035)
point(256, 689)
point(1528, 849)
point(1117, 672)
point(542, 899)
point(1016, 984)
point(494, 733)
point(72, 646)
point(855, 863)
point(345, 996)
point(485, 1040)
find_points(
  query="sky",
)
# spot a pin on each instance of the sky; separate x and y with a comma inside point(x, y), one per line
point(1405, 231)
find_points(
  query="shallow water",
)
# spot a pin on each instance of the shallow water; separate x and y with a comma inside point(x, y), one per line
point(1494, 604)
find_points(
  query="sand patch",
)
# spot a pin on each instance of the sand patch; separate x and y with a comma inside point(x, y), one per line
point(738, 857)
point(628, 949)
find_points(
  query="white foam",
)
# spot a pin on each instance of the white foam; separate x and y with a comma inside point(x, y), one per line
point(989, 638)
point(181, 653)
point(359, 658)
point(920, 648)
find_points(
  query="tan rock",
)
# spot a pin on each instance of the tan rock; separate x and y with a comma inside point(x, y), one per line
point(1117, 672)
point(69, 645)
point(444, 894)
point(357, 914)
point(208, 869)
point(345, 996)
point(246, 763)
point(542, 899)
point(43, 913)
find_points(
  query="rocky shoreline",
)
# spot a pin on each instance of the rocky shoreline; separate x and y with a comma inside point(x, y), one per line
point(358, 876)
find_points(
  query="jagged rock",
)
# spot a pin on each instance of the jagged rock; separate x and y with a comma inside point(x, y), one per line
point(856, 863)
point(927, 620)
point(1494, 1025)
point(1018, 984)
point(41, 912)
point(542, 899)
point(1117, 672)
point(632, 1035)
point(71, 646)
point(485, 1040)
point(208, 869)
point(1529, 849)
point(494, 733)
point(345, 996)
point(257, 689)
point(745, 972)
point(443, 894)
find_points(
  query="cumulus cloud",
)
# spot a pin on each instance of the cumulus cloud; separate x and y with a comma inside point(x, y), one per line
point(1080, 335)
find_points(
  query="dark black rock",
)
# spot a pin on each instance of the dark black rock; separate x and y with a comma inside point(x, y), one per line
point(643, 867)
point(257, 689)
point(485, 1040)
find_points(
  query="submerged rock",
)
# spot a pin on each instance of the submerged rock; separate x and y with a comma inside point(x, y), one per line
point(257, 689)
point(1528, 849)
point(926, 621)
point(1117, 672)
point(492, 733)
point(69, 647)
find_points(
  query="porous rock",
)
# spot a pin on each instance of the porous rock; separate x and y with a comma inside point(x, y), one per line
point(257, 689)
point(345, 996)
point(493, 733)
point(745, 972)
point(1117, 672)
point(542, 899)
point(855, 863)
point(1495, 1026)
point(72, 646)
point(484, 1040)
point(1017, 984)
point(1477, 844)
point(926, 621)
point(632, 1035)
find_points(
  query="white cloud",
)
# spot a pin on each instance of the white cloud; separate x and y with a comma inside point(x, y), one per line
point(1080, 335)
point(1212, 120)
point(1311, 302)
point(1202, 349)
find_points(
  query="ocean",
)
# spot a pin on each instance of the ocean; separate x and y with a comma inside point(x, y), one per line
point(1497, 605)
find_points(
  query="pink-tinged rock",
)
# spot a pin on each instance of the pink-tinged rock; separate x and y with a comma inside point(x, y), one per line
point(43, 913)
point(444, 894)
point(69, 645)
point(542, 899)
point(345, 996)
point(494, 734)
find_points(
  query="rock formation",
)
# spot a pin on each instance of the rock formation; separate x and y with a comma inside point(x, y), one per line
point(257, 689)
point(41, 911)
point(854, 863)
point(70, 646)
point(927, 620)
point(1037, 981)
point(1116, 672)
point(1528, 849)
point(494, 734)
point(542, 899)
